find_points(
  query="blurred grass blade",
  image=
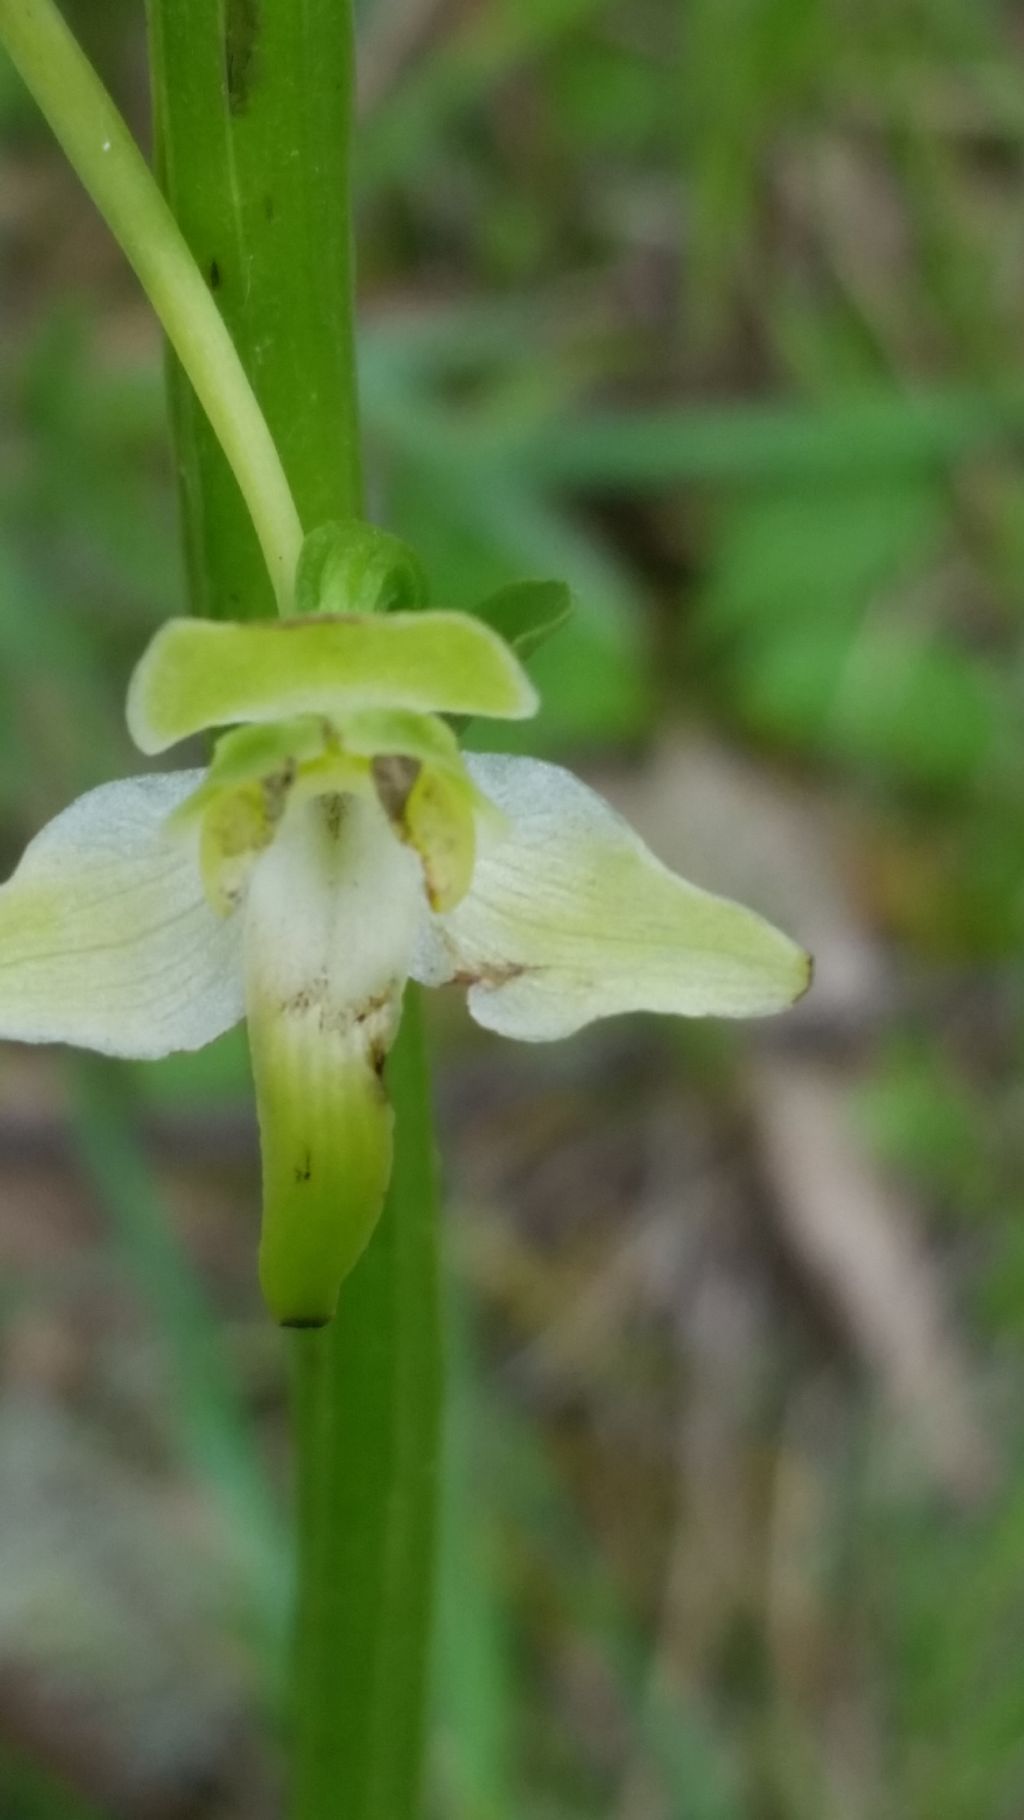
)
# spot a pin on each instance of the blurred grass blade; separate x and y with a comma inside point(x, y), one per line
point(689, 1760)
point(214, 1430)
point(869, 434)
point(491, 42)
point(31, 1792)
point(475, 1691)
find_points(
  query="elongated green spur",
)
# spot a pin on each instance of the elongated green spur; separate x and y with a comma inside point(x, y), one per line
point(338, 844)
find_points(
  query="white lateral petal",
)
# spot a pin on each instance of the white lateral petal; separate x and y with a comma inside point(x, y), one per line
point(571, 918)
point(106, 938)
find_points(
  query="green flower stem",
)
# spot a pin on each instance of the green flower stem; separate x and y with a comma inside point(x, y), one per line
point(368, 1392)
point(252, 100)
point(113, 170)
point(254, 109)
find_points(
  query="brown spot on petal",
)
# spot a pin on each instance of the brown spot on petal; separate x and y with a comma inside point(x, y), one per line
point(497, 973)
point(393, 779)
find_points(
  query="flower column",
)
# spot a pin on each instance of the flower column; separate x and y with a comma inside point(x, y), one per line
point(253, 106)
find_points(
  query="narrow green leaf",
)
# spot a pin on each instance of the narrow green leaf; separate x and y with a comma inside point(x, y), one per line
point(527, 613)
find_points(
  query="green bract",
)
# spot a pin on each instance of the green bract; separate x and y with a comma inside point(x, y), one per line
point(338, 843)
point(355, 567)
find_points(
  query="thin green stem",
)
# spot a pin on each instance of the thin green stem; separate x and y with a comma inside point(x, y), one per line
point(252, 104)
point(367, 1409)
point(113, 170)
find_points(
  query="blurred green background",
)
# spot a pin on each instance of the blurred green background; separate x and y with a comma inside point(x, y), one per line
point(716, 308)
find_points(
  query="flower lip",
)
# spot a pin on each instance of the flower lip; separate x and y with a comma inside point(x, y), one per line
point(330, 925)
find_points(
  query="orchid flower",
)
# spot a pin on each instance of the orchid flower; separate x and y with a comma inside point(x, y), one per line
point(339, 843)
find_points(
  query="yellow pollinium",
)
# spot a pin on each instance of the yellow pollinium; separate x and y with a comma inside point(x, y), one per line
point(236, 826)
point(439, 821)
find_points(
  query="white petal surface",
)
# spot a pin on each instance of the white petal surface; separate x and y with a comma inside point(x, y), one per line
point(571, 918)
point(331, 914)
point(330, 924)
point(106, 938)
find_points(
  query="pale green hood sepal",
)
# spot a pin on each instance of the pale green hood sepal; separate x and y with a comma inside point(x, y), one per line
point(330, 924)
point(106, 938)
point(198, 673)
point(570, 918)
